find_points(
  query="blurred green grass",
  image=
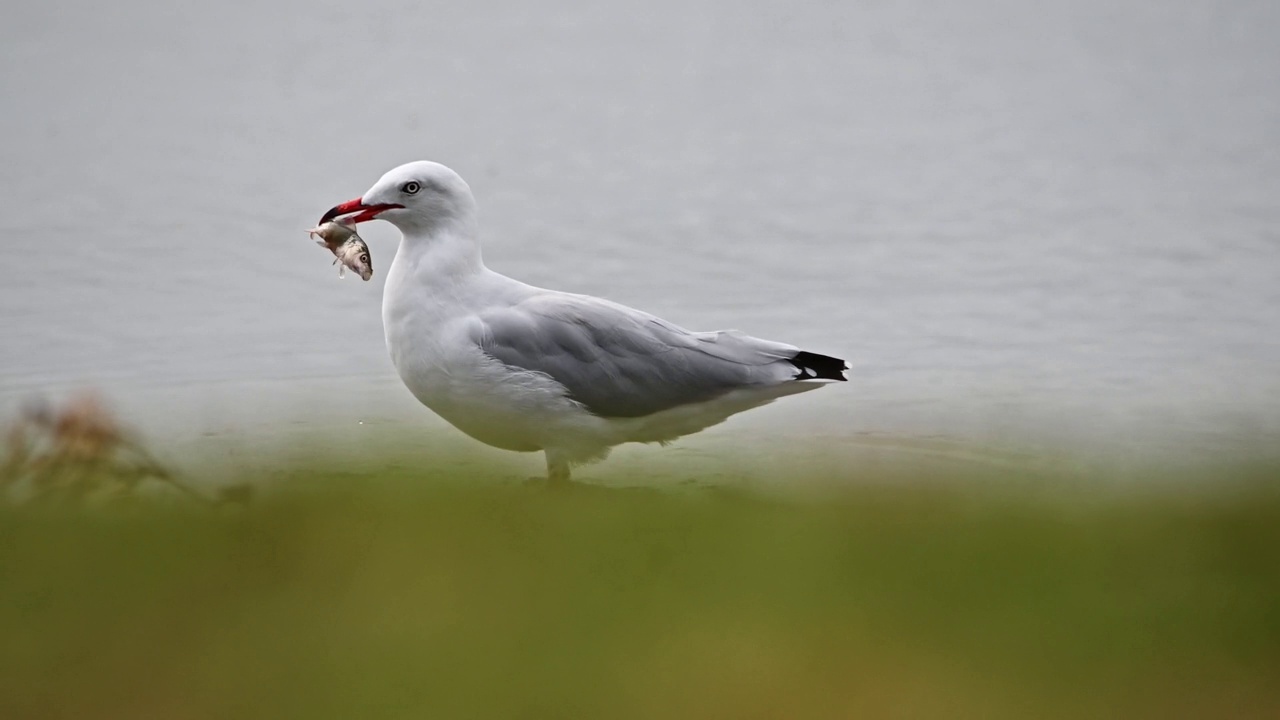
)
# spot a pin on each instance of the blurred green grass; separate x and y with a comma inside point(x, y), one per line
point(401, 594)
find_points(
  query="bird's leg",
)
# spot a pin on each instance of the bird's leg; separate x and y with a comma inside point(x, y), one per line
point(557, 470)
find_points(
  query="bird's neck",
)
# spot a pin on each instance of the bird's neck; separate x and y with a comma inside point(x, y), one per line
point(431, 277)
point(443, 254)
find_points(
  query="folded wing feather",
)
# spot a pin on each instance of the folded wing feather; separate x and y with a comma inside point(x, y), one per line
point(620, 362)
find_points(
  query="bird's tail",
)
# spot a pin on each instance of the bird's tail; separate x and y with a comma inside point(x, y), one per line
point(812, 366)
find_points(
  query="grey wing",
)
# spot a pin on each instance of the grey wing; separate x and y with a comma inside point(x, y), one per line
point(620, 362)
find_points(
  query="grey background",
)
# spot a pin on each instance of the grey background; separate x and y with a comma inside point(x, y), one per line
point(1049, 223)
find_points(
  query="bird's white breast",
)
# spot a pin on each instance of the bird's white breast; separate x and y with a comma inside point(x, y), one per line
point(422, 321)
point(431, 320)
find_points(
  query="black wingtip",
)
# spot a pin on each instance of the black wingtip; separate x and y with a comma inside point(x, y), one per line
point(813, 366)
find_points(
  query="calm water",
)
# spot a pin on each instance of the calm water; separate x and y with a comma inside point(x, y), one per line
point(1048, 224)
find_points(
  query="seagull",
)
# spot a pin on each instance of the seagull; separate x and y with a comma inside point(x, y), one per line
point(527, 369)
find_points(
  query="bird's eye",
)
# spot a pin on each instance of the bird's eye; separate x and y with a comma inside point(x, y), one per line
point(364, 258)
point(411, 188)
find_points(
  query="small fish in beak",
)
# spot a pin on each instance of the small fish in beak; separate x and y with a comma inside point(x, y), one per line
point(340, 238)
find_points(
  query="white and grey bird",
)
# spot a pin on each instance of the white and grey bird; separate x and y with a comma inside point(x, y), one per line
point(528, 369)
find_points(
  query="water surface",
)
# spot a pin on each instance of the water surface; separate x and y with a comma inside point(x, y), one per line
point(1048, 224)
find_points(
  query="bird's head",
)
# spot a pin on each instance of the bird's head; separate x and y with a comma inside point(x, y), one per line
point(417, 197)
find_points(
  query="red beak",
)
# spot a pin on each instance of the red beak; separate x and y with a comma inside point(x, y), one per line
point(366, 212)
